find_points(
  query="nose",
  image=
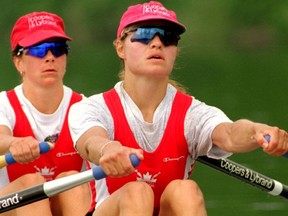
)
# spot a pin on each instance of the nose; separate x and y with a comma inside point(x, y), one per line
point(49, 56)
point(156, 42)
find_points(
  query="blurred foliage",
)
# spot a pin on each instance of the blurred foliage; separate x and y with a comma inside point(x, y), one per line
point(233, 55)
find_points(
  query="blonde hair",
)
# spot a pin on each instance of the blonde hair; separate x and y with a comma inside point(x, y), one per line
point(121, 74)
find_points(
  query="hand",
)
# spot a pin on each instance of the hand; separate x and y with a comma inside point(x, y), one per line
point(115, 160)
point(24, 150)
point(278, 143)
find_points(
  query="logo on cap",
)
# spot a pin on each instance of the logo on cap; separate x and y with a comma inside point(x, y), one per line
point(37, 21)
point(155, 9)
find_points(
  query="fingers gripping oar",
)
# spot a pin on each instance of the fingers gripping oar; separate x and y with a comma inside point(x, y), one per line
point(49, 189)
point(8, 159)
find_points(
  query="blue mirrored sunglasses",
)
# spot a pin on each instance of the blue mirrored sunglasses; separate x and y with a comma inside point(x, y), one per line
point(146, 34)
point(57, 48)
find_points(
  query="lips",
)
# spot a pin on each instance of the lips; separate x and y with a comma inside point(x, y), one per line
point(50, 70)
point(155, 56)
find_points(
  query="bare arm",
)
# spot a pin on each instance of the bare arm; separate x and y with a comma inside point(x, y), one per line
point(244, 136)
point(23, 149)
point(94, 145)
point(5, 139)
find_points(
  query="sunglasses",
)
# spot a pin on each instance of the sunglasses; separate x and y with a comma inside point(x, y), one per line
point(146, 34)
point(57, 48)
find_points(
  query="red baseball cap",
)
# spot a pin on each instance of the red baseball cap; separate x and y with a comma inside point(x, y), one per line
point(149, 11)
point(35, 27)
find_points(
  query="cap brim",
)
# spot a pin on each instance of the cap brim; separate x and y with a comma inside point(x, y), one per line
point(39, 36)
point(180, 28)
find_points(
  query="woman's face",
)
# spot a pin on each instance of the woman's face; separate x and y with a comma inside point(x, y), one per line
point(152, 58)
point(46, 71)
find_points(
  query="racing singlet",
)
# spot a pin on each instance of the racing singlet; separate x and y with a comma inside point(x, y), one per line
point(169, 160)
point(61, 158)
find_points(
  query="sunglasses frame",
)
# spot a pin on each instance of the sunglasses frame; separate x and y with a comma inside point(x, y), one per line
point(57, 48)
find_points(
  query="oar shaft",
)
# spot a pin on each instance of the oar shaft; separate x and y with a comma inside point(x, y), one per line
point(247, 175)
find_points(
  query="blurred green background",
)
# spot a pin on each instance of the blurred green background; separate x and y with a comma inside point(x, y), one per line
point(233, 56)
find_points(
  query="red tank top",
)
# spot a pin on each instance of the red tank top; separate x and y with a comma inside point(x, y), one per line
point(61, 158)
point(168, 161)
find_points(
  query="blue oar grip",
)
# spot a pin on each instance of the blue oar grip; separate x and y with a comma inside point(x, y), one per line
point(267, 137)
point(134, 160)
point(98, 172)
point(44, 147)
point(9, 159)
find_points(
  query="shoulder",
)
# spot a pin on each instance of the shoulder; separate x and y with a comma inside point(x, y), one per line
point(201, 112)
point(4, 99)
point(92, 102)
point(3, 94)
point(4, 102)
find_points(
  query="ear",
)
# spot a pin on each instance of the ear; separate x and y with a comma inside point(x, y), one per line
point(18, 64)
point(119, 45)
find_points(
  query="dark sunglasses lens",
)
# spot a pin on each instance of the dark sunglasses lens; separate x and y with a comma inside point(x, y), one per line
point(41, 50)
point(145, 35)
point(59, 50)
point(171, 38)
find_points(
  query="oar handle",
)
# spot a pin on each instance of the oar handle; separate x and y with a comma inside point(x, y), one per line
point(44, 147)
point(98, 172)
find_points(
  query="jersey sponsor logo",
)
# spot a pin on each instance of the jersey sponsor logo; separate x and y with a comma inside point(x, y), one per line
point(64, 154)
point(52, 138)
point(168, 159)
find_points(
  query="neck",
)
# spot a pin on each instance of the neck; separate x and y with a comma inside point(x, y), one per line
point(147, 95)
point(45, 100)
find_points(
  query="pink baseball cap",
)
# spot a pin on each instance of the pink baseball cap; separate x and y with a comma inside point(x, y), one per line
point(35, 27)
point(149, 11)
